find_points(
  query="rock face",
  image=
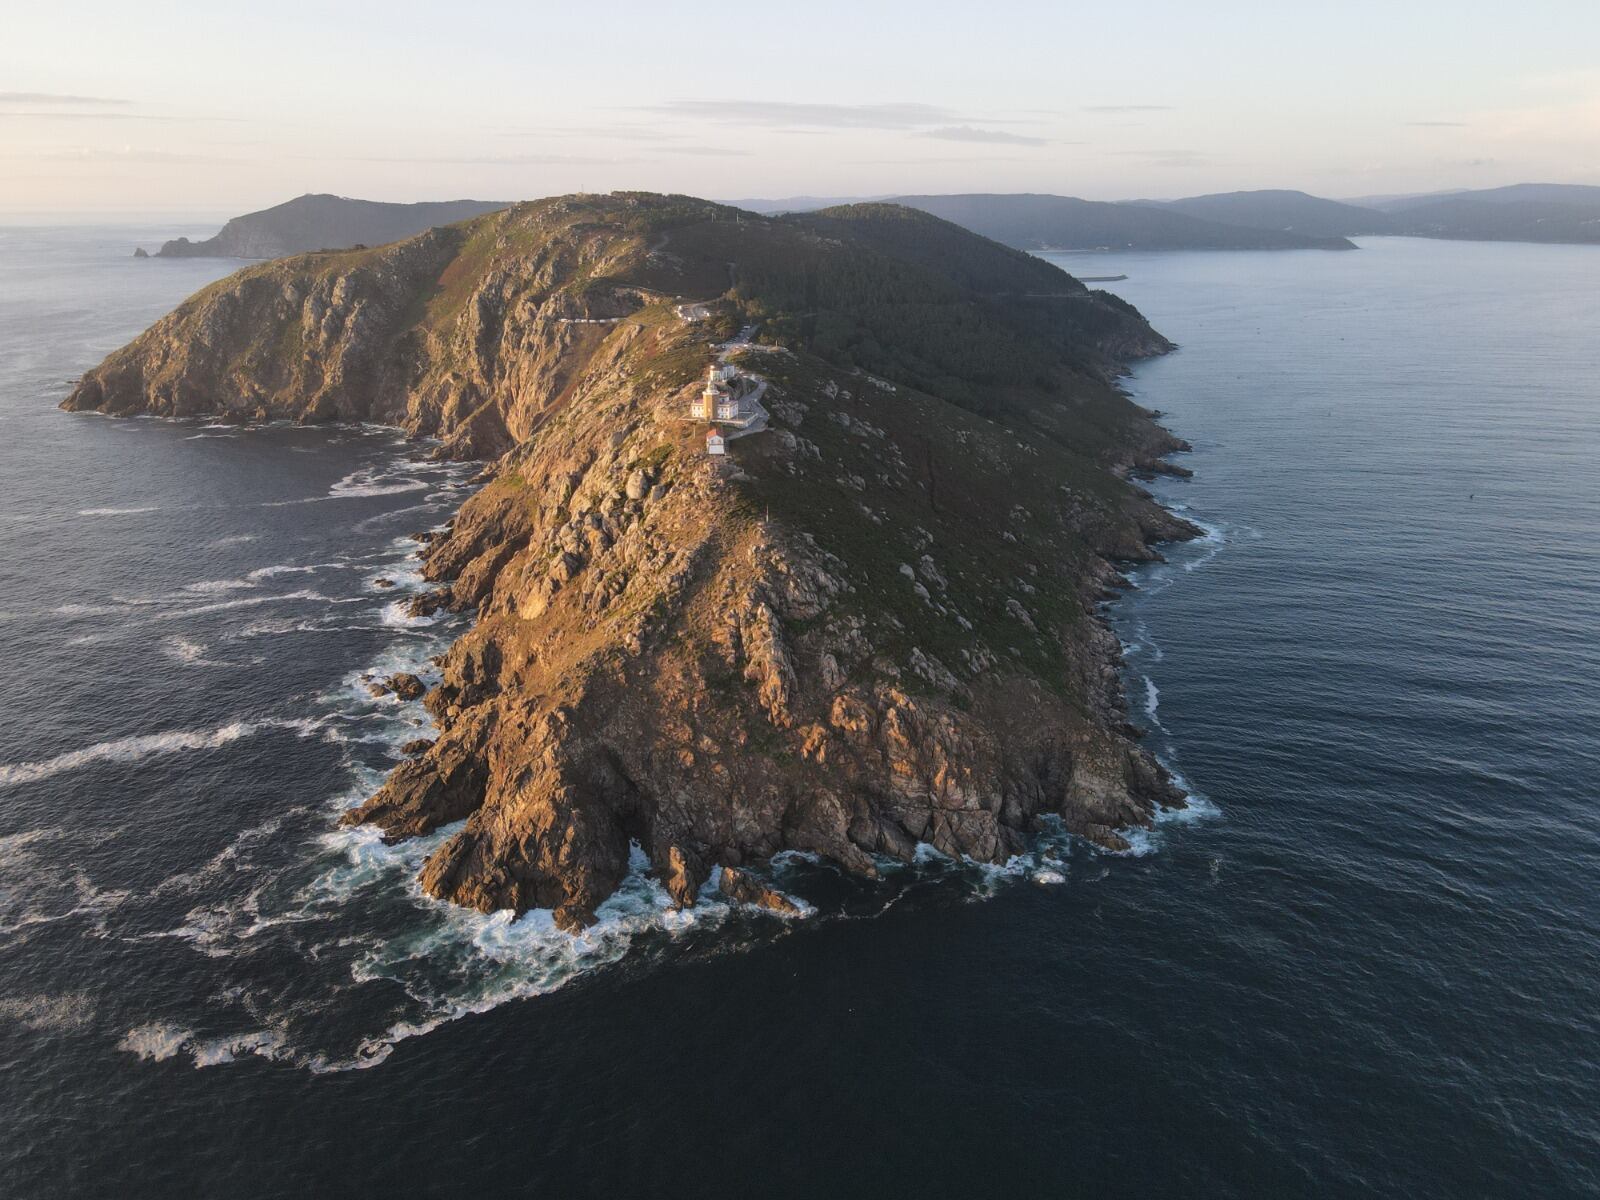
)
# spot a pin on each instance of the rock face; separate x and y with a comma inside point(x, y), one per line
point(872, 626)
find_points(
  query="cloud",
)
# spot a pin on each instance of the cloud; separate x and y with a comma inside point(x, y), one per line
point(493, 160)
point(1437, 124)
point(1127, 108)
point(833, 116)
point(115, 116)
point(966, 133)
point(965, 161)
point(55, 98)
point(705, 151)
point(614, 133)
point(1165, 158)
point(120, 154)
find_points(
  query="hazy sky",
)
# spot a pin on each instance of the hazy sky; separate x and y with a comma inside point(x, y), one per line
point(181, 108)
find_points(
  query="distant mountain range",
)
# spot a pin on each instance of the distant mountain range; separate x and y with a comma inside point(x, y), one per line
point(1284, 211)
point(1264, 220)
point(1033, 222)
point(1257, 220)
point(323, 222)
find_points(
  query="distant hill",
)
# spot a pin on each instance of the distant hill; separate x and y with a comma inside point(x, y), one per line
point(1553, 193)
point(1284, 211)
point(1523, 212)
point(1504, 219)
point(1038, 222)
point(323, 222)
point(798, 204)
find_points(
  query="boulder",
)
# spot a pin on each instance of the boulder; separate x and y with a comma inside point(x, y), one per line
point(744, 888)
point(407, 686)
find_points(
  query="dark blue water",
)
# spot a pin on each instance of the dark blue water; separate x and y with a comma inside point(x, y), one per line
point(1365, 965)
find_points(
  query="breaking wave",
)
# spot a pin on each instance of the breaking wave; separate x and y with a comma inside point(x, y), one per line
point(142, 746)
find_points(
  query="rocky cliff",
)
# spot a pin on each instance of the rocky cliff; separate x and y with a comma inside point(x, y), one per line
point(872, 625)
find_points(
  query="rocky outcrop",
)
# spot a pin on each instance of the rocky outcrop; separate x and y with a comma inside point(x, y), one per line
point(744, 888)
point(873, 626)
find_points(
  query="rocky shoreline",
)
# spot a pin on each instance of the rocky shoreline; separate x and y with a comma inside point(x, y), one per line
point(871, 627)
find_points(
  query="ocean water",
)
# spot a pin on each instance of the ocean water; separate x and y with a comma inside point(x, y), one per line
point(1363, 963)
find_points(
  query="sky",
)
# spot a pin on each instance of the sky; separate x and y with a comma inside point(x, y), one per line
point(168, 108)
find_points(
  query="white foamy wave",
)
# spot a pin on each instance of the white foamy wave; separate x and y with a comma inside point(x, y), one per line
point(1214, 540)
point(134, 749)
point(396, 617)
point(1198, 806)
point(156, 1042)
point(191, 653)
point(159, 1042)
point(209, 587)
point(1152, 700)
point(246, 602)
point(235, 539)
point(47, 1013)
point(369, 482)
point(458, 962)
point(118, 512)
point(277, 569)
point(264, 1043)
point(184, 650)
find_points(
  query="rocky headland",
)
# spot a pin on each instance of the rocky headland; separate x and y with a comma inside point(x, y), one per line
point(321, 222)
point(871, 625)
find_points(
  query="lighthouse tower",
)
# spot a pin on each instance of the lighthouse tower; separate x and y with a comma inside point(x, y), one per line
point(715, 402)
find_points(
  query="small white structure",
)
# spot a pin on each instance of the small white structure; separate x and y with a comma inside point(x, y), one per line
point(715, 442)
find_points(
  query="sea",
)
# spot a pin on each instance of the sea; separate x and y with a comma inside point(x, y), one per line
point(1364, 962)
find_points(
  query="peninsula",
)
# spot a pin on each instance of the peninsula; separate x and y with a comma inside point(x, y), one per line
point(792, 535)
point(322, 222)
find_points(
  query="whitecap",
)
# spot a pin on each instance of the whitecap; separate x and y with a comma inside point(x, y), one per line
point(47, 1013)
point(117, 512)
point(264, 1043)
point(156, 1042)
point(142, 746)
point(395, 616)
point(376, 482)
point(208, 587)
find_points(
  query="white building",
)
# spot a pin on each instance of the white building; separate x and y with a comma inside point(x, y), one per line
point(715, 442)
point(715, 401)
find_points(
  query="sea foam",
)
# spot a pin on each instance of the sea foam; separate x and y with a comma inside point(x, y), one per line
point(142, 746)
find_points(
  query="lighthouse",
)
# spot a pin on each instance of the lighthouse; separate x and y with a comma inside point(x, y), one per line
point(715, 402)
